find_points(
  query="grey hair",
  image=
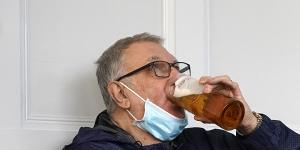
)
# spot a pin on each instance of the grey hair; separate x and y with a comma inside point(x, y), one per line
point(109, 65)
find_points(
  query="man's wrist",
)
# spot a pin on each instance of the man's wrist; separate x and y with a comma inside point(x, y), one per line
point(253, 124)
point(259, 120)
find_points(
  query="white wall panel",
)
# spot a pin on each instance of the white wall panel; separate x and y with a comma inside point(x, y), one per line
point(62, 41)
point(10, 103)
point(257, 43)
point(48, 49)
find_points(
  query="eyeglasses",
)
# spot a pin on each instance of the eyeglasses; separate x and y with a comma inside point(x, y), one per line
point(161, 69)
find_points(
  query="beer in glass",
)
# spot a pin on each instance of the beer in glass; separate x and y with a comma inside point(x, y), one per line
point(222, 110)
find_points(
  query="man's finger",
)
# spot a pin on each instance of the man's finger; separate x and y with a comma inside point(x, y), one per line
point(223, 80)
point(204, 79)
point(207, 88)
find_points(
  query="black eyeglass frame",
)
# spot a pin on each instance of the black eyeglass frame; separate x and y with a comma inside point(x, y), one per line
point(152, 64)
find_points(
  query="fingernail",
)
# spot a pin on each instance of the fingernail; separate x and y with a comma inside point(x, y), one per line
point(202, 81)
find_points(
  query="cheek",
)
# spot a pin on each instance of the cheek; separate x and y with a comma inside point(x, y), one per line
point(160, 99)
point(157, 92)
point(154, 90)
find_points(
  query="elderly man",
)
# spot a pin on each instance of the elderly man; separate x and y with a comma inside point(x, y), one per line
point(135, 76)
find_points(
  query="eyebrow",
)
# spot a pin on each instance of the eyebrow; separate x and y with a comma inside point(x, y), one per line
point(156, 58)
point(153, 58)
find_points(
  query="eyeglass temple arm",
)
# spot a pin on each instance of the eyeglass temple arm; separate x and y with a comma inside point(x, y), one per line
point(185, 69)
point(133, 72)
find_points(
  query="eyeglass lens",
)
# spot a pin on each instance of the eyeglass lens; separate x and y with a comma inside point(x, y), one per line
point(163, 69)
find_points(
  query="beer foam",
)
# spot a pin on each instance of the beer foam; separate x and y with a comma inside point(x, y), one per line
point(182, 92)
point(187, 85)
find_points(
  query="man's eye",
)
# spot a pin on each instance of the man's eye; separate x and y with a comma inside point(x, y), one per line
point(162, 67)
point(155, 66)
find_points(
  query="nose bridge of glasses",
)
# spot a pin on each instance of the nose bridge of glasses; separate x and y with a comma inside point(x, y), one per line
point(174, 68)
point(182, 67)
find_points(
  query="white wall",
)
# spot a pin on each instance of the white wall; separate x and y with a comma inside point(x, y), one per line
point(47, 54)
point(255, 42)
point(47, 50)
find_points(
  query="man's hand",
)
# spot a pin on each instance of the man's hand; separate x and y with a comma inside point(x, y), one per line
point(224, 85)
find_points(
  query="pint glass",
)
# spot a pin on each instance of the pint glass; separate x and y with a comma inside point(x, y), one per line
point(222, 110)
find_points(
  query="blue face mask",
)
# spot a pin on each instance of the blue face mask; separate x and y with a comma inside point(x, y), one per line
point(158, 122)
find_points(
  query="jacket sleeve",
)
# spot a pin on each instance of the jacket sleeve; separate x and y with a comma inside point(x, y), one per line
point(271, 135)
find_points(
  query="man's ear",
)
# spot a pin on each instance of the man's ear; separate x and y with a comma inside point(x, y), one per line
point(116, 91)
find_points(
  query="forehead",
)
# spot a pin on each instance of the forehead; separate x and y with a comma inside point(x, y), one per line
point(140, 53)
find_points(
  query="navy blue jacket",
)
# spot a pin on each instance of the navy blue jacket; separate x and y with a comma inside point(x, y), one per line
point(271, 135)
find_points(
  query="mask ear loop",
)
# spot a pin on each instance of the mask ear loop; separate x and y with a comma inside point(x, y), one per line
point(135, 119)
point(133, 92)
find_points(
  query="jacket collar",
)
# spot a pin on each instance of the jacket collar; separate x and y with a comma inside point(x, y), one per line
point(103, 122)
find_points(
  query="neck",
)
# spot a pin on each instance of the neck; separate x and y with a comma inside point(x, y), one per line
point(123, 120)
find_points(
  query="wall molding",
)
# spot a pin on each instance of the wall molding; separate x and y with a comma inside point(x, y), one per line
point(33, 121)
point(169, 25)
point(64, 122)
point(169, 30)
point(24, 59)
point(58, 118)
